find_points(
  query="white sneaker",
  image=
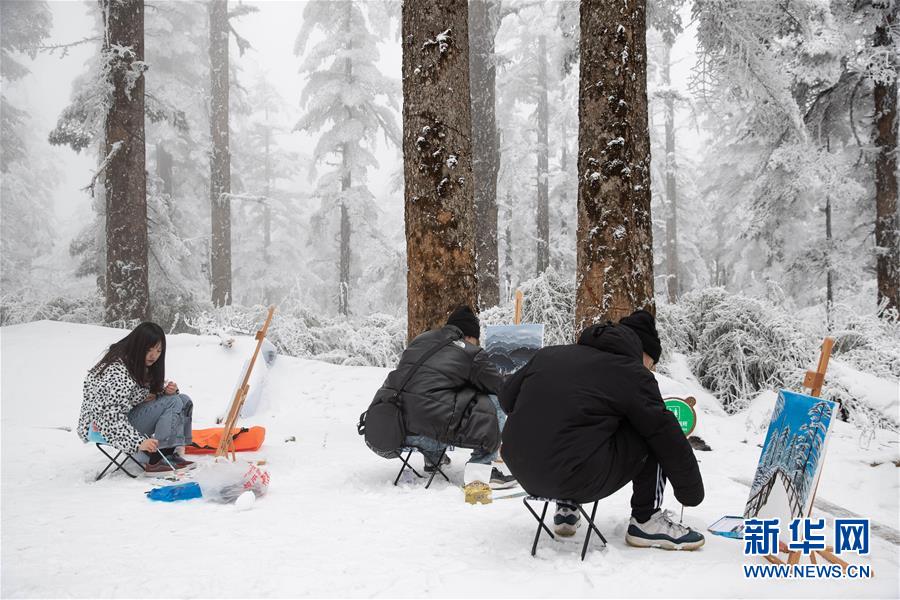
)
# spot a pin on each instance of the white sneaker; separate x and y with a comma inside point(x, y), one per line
point(660, 531)
point(566, 520)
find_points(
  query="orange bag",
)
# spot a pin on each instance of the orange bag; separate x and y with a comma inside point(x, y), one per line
point(206, 441)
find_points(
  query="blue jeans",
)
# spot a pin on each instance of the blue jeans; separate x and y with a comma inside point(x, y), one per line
point(167, 418)
point(432, 449)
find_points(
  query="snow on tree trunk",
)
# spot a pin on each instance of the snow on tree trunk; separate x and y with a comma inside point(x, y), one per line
point(671, 190)
point(484, 19)
point(615, 262)
point(437, 162)
point(543, 205)
point(220, 162)
point(127, 289)
point(887, 228)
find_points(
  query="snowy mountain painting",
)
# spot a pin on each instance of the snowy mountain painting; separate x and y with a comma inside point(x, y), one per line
point(511, 346)
point(791, 458)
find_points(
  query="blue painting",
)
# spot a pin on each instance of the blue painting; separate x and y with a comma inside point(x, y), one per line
point(792, 457)
point(511, 346)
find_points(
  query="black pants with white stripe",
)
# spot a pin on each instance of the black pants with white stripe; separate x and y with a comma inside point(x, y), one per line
point(630, 459)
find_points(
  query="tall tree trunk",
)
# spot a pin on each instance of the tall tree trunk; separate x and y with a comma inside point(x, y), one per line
point(437, 162)
point(829, 271)
point(508, 264)
point(346, 183)
point(267, 212)
point(543, 202)
point(887, 228)
point(484, 16)
point(165, 169)
point(344, 267)
point(615, 260)
point(127, 288)
point(563, 191)
point(672, 284)
point(220, 163)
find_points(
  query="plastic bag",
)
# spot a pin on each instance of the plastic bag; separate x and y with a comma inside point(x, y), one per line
point(173, 493)
point(223, 481)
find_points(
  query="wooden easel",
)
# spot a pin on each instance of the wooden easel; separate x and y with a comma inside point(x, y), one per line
point(517, 317)
point(814, 381)
point(226, 443)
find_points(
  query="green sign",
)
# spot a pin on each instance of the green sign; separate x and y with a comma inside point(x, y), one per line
point(684, 413)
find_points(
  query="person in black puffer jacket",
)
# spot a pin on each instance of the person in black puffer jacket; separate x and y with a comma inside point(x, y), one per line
point(585, 419)
point(451, 399)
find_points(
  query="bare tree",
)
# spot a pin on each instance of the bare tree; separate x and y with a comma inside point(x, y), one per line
point(437, 161)
point(615, 262)
point(127, 289)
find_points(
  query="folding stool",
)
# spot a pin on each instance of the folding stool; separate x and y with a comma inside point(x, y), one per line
point(405, 460)
point(541, 525)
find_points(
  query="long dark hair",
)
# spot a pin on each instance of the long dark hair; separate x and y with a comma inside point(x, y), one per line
point(132, 351)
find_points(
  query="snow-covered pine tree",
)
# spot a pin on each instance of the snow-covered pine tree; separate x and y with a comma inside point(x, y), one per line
point(615, 261)
point(788, 86)
point(26, 183)
point(534, 58)
point(268, 223)
point(350, 102)
point(437, 160)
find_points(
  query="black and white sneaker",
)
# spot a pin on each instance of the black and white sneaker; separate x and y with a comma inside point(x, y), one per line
point(501, 481)
point(566, 520)
point(660, 531)
point(431, 468)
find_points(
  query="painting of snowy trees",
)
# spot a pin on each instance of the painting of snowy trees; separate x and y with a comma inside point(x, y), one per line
point(792, 457)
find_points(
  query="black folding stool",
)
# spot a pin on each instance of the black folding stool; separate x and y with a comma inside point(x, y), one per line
point(405, 460)
point(541, 525)
point(98, 440)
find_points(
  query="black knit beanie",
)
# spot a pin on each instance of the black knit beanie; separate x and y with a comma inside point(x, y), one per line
point(644, 325)
point(465, 319)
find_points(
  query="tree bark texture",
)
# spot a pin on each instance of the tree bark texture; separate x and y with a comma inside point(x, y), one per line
point(887, 227)
point(437, 162)
point(615, 261)
point(125, 177)
point(543, 175)
point(484, 17)
point(220, 162)
point(672, 284)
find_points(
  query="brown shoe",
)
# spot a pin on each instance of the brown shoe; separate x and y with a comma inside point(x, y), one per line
point(160, 468)
point(179, 462)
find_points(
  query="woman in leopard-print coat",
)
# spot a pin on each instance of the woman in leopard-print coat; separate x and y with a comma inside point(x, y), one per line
point(128, 401)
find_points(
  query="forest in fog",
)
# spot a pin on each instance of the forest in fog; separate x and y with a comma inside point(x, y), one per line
point(369, 164)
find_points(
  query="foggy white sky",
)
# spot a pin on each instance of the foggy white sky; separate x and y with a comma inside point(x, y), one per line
point(272, 31)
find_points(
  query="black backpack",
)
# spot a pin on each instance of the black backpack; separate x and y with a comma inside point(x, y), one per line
point(382, 424)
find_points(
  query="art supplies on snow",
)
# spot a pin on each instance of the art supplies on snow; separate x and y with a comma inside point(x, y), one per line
point(224, 481)
point(174, 493)
point(728, 526)
point(244, 439)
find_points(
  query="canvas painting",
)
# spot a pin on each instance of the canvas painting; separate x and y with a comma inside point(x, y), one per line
point(511, 346)
point(792, 458)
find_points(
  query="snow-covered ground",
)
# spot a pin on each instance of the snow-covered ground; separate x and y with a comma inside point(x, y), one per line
point(332, 523)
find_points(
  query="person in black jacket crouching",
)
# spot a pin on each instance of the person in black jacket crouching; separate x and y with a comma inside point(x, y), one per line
point(450, 397)
point(585, 419)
